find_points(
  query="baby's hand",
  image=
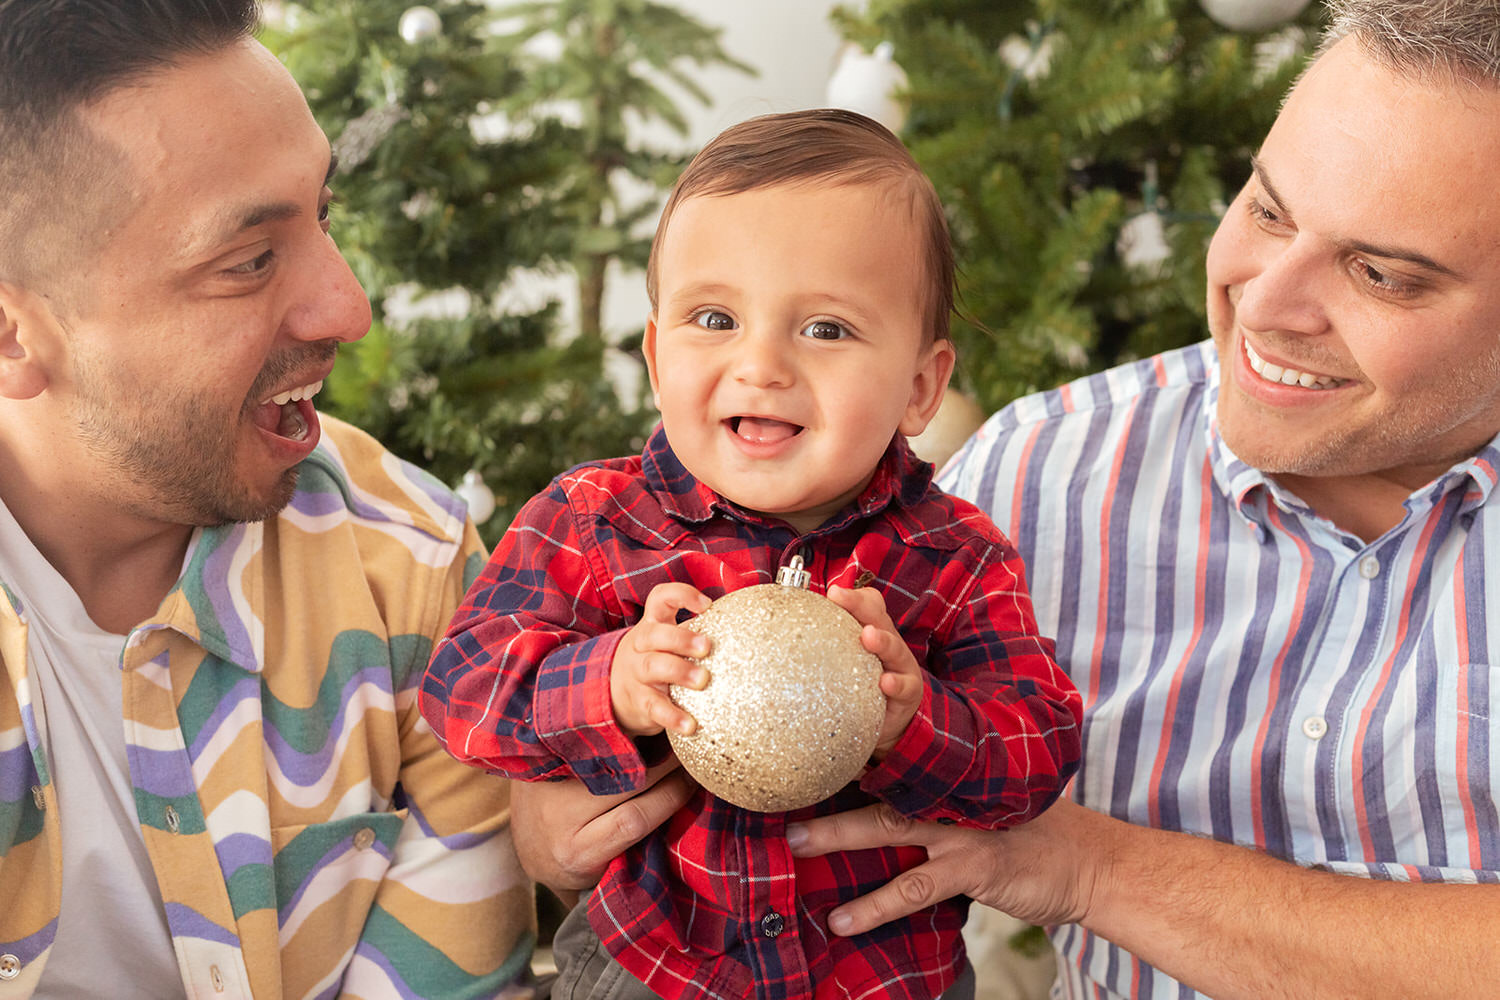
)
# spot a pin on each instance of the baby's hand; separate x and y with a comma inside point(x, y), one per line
point(653, 655)
point(901, 681)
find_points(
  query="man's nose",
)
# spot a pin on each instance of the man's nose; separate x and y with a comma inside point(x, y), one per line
point(1287, 291)
point(330, 303)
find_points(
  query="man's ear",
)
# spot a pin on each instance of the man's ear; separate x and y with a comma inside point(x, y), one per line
point(927, 387)
point(25, 320)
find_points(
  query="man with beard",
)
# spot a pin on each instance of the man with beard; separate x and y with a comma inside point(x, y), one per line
point(1265, 561)
point(214, 607)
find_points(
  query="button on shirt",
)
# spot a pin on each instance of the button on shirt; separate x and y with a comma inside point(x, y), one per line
point(1288, 687)
point(714, 903)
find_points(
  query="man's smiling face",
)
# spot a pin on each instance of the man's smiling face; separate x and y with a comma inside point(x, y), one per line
point(213, 312)
point(1354, 284)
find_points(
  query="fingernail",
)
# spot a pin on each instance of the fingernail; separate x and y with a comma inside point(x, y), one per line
point(700, 646)
point(840, 923)
point(796, 835)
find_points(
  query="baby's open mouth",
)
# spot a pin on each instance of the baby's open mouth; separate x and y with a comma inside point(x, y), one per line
point(763, 430)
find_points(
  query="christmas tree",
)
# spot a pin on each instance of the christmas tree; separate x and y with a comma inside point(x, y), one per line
point(450, 186)
point(1085, 150)
point(611, 58)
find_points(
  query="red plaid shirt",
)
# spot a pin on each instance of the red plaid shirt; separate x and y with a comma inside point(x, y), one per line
point(713, 903)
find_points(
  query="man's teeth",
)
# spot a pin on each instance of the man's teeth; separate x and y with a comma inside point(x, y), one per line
point(1287, 376)
point(305, 392)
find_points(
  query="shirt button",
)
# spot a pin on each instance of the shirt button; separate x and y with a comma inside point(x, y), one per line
point(38, 797)
point(1314, 727)
point(10, 966)
point(173, 823)
point(364, 838)
point(772, 924)
point(217, 977)
point(1369, 567)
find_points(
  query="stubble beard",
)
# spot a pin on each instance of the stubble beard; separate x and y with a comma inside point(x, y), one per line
point(176, 457)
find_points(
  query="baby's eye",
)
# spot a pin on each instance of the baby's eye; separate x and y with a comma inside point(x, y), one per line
point(825, 330)
point(711, 319)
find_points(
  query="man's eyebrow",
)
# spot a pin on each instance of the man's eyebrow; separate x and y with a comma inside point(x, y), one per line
point(1383, 250)
point(255, 215)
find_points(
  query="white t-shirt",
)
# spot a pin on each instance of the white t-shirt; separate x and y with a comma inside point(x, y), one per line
point(112, 936)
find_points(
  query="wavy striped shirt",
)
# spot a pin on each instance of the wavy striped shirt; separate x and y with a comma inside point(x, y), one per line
point(309, 836)
point(1250, 672)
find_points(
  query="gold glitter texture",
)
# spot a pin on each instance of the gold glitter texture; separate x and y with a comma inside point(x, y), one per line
point(793, 707)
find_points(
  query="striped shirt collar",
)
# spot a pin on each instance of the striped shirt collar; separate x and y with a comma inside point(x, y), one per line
point(208, 613)
point(901, 479)
point(1248, 489)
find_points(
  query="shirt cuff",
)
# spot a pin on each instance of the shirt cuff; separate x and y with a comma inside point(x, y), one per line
point(916, 777)
point(573, 716)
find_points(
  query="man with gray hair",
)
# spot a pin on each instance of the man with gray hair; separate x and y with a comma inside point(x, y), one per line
point(214, 604)
point(1265, 560)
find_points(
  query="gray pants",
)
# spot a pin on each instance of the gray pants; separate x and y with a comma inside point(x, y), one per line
point(586, 971)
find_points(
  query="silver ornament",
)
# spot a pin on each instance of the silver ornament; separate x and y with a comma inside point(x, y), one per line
point(419, 24)
point(1252, 15)
point(793, 706)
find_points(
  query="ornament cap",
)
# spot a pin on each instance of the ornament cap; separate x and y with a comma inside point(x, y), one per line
point(793, 575)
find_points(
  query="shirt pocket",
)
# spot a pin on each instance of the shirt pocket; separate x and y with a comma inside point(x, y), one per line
point(327, 876)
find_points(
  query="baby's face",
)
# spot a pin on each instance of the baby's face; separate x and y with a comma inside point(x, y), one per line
point(788, 345)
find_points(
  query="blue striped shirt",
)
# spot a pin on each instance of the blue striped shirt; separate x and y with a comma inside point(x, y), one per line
point(1250, 672)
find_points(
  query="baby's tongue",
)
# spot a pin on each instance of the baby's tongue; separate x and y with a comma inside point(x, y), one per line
point(764, 431)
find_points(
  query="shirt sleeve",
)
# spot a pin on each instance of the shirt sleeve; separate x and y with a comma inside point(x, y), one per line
point(454, 915)
point(996, 736)
point(520, 684)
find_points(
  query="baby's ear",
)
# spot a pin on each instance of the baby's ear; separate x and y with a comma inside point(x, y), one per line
point(648, 348)
point(26, 323)
point(928, 385)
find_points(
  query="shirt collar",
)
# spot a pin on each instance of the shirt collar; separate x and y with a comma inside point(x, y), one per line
point(900, 478)
point(215, 602)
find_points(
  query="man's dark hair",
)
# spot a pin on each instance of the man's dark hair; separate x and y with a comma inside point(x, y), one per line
point(56, 57)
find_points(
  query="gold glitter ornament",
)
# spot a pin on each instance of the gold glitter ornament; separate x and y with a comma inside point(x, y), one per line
point(793, 706)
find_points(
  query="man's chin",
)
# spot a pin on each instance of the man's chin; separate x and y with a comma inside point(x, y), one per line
point(250, 508)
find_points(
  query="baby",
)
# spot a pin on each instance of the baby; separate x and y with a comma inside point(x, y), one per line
point(801, 285)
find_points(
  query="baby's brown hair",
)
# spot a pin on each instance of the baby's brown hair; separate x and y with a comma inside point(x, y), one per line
point(826, 144)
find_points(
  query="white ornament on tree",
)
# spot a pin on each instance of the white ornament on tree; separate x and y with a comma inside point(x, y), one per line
point(1252, 15)
point(1142, 244)
point(1030, 55)
point(420, 24)
point(478, 496)
point(869, 83)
